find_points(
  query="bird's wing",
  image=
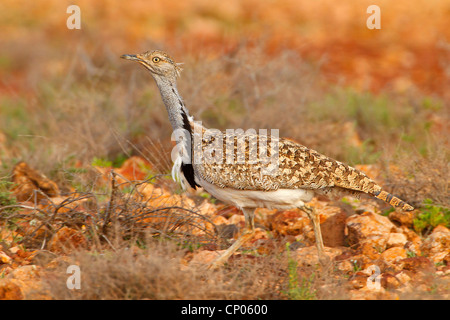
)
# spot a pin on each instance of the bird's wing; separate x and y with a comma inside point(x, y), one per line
point(257, 162)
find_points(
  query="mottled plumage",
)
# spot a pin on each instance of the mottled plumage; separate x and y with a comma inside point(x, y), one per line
point(298, 167)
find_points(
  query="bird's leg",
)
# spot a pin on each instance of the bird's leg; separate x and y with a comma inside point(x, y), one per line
point(315, 218)
point(244, 237)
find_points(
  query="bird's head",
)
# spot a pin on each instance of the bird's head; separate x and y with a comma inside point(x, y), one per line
point(158, 62)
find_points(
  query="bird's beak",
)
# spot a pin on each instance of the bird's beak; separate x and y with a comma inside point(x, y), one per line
point(130, 57)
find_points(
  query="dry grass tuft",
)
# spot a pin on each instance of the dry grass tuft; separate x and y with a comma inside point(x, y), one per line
point(158, 272)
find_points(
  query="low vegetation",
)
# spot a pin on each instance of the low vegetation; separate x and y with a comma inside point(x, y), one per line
point(80, 117)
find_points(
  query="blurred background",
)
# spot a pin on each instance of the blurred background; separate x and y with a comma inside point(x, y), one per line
point(309, 68)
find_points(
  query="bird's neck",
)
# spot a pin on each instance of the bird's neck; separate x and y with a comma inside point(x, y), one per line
point(178, 113)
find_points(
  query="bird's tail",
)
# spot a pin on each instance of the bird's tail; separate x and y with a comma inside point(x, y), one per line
point(392, 200)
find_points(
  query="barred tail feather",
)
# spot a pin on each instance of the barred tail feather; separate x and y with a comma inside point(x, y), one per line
point(393, 200)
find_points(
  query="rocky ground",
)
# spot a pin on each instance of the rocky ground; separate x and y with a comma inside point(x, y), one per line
point(374, 254)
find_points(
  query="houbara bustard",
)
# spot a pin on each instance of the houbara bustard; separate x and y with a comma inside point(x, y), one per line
point(225, 167)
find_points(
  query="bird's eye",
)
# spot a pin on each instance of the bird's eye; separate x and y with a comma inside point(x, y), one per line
point(156, 59)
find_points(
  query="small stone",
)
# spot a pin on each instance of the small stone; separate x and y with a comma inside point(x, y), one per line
point(27, 181)
point(368, 250)
point(29, 282)
point(4, 258)
point(396, 240)
point(393, 254)
point(237, 219)
point(437, 245)
point(416, 264)
point(369, 227)
point(159, 198)
point(389, 281)
point(134, 168)
point(14, 249)
point(289, 222)
point(67, 238)
point(404, 218)
point(218, 220)
point(10, 290)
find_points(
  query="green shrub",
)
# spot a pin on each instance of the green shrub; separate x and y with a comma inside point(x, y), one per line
point(430, 217)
